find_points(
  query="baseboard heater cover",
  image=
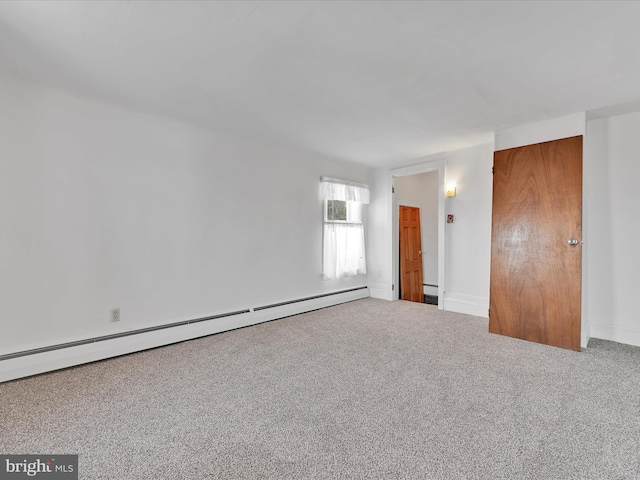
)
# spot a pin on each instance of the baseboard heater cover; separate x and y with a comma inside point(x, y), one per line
point(308, 298)
point(113, 336)
point(116, 335)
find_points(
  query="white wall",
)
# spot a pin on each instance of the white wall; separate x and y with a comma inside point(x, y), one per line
point(544, 131)
point(597, 273)
point(467, 243)
point(103, 207)
point(421, 191)
point(379, 261)
point(468, 238)
point(614, 258)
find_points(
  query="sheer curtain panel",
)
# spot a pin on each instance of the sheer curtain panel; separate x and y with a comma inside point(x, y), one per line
point(343, 242)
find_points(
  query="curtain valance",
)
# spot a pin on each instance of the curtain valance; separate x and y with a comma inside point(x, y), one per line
point(334, 189)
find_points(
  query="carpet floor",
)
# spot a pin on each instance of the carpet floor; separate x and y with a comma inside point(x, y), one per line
point(368, 389)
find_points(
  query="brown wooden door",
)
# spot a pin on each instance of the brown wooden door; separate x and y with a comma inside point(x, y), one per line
point(410, 255)
point(535, 272)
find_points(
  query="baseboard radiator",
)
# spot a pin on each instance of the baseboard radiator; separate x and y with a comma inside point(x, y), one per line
point(54, 357)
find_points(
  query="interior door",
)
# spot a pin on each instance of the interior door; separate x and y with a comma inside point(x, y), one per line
point(536, 247)
point(410, 255)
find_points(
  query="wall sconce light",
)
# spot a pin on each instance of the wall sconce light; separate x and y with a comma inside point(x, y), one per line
point(450, 190)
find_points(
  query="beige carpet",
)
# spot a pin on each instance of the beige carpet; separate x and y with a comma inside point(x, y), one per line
point(368, 389)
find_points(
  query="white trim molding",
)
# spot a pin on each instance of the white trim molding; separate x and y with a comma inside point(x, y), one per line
point(36, 363)
point(467, 304)
point(615, 334)
point(381, 291)
point(431, 163)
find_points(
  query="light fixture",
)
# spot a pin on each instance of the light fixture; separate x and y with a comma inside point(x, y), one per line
point(450, 190)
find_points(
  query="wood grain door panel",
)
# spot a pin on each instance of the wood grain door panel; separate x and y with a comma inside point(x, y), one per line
point(535, 274)
point(411, 255)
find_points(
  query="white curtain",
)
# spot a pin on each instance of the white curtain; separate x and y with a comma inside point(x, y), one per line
point(343, 250)
point(333, 189)
point(343, 246)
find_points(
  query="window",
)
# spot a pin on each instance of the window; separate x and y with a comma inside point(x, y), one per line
point(335, 211)
point(342, 211)
point(343, 243)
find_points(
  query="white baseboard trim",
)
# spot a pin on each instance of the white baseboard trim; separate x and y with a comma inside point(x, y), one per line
point(584, 341)
point(430, 290)
point(33, 364)
point(615, 334)
point(381, 291)
point(467, 304)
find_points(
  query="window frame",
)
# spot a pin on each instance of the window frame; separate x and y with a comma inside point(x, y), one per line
point(349, 207)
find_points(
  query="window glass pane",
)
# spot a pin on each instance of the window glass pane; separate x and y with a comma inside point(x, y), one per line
point(336, 210)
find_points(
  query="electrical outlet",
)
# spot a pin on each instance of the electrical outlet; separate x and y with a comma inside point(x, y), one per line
point(379, 273)
point(115, 315)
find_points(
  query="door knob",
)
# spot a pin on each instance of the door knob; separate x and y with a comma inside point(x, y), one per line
point(573, 242)
point(419, 252)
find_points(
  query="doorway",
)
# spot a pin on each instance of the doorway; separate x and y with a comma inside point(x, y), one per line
point(410, 187)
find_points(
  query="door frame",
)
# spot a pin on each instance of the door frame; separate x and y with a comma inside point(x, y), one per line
point(432, 163)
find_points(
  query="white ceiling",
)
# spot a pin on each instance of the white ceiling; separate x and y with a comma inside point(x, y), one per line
point(372, 82)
